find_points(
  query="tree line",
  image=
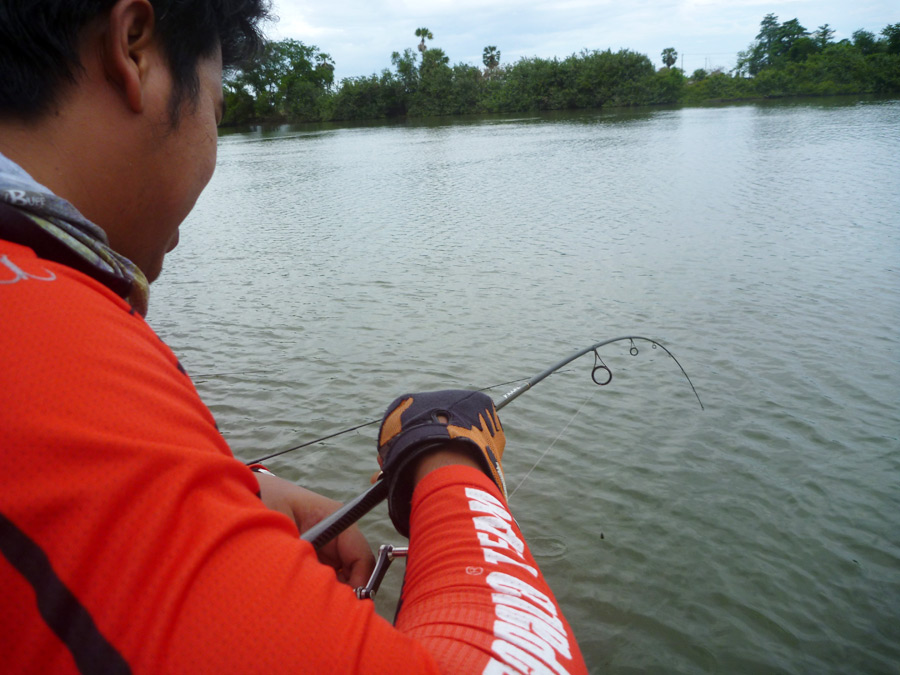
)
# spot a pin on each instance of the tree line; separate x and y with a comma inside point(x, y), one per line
point(787, 60)
point(294, 82)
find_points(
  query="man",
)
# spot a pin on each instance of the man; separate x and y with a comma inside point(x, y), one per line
point(130, 538)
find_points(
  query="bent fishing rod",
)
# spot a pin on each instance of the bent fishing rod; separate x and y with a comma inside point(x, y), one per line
point(601, 374)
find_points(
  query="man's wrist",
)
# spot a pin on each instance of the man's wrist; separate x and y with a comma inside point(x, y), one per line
point(451, 454)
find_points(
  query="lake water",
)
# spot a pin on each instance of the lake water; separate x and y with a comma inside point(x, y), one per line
point(327, 270)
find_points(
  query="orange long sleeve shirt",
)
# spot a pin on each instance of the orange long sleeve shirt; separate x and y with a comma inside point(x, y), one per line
point(132, 540)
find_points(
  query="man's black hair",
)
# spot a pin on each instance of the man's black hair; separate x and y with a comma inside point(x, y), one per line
point(39, 45)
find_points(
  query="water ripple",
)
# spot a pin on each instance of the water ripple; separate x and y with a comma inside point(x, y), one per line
point(325, 272)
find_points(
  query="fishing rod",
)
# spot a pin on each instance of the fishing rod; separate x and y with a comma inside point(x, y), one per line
point(260, 460)
point(340, 520)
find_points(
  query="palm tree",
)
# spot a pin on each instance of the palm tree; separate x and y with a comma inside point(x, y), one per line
point(425, 34)
point(669, 56)
point(325, 61)
point(491, 57)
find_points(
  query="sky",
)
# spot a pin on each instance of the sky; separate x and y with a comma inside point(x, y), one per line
point(360, 35)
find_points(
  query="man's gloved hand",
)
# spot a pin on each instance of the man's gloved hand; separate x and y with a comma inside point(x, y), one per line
point(415, 424)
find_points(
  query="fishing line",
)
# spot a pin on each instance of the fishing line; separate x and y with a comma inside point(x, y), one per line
point(318, 440)
point(558, 436)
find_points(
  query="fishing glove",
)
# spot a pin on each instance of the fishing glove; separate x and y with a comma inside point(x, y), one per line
point(411, 427)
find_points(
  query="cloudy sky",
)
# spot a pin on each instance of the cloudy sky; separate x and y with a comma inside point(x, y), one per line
point(360, 35)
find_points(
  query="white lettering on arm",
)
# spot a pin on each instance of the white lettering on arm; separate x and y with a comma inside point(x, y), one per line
point(529, 636)
point(504, 532)
point(534, 624)
point(496, 558)
point(504, 583)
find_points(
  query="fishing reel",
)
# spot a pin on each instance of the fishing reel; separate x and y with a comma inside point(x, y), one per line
point(386, 555)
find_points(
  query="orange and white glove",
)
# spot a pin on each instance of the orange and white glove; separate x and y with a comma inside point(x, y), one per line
point(415, 424)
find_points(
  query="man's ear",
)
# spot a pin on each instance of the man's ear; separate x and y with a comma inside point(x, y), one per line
point(128, 47)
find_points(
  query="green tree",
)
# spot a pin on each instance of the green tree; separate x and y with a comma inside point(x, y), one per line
point(663, 86)
point(865, 41)
point(823, 36)
point(801, 49)
point(425, 34)
point(325, 61)
point(775, 44)
point(407, 71)
point(891, 33)
point(789, 33)
point(468, 89)
point(744, 63)
point(283, 82)
point(491, 57)
point(766, 43)
point(669, 57)
point(240, 106)
point(718, 86)
point(611, 78)
point(373, 97)
point(434, 93)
